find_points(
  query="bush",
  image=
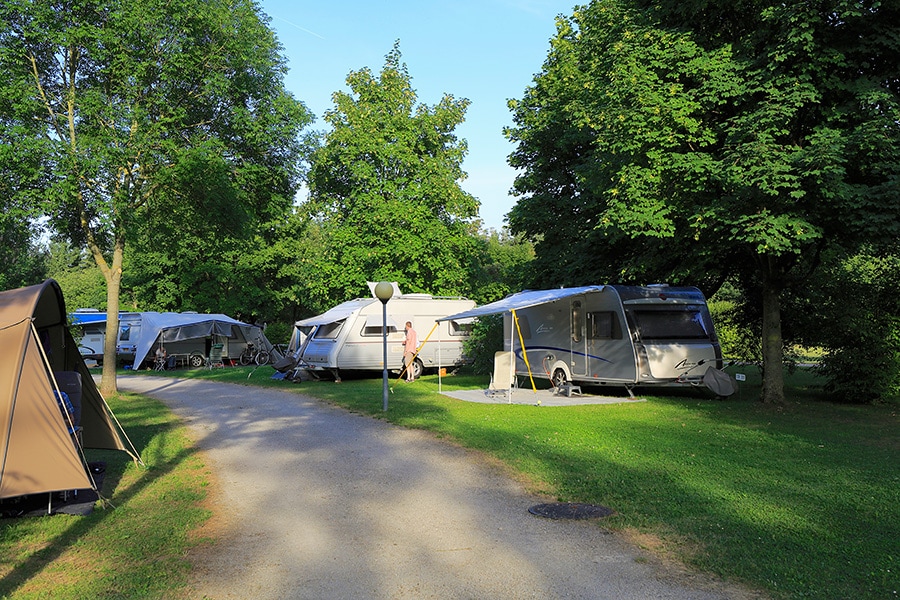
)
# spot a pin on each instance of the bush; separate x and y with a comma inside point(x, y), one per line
point(486, 339)
point(738, 341)
point(278, 333)
point(859, 325)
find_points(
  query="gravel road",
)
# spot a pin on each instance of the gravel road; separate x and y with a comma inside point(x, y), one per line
point(315, 502)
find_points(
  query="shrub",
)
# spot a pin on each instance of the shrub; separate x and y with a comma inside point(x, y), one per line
point(486, 339)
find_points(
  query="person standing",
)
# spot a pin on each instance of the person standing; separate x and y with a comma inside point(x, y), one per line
point(410, 342)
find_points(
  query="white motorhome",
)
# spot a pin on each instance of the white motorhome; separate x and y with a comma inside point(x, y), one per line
point(349, 337)
point(609, 334)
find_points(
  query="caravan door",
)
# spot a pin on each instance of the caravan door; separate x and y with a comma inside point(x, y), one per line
point(578, 342)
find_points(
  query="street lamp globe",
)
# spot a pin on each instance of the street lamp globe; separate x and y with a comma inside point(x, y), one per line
point(384, 291)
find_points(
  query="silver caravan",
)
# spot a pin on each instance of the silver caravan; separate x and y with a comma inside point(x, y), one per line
point(92, 324)
point(609, 334)
point(348, 337)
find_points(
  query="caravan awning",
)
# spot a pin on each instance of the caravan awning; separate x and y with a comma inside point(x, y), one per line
point(337, 313)
point(88, 318)
point(522, 300)
point(174, 327)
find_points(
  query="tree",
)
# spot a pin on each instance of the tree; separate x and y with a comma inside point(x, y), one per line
point(701, 140)
point(385, 186)
point(255, 277)
point(79, 279)
point(862, 336)
point(499, 266)
point(165, 111)
point(22, 259)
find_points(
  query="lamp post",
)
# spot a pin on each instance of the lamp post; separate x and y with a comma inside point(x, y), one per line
point(384, 291)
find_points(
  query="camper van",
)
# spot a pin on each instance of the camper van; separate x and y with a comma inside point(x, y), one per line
point(92, 324)
point(130, 324)
point(616, 334)
point(606, 334)
point(187, 337)
point(349, 337)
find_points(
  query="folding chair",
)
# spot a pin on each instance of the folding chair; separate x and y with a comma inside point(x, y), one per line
point(214, 360)
point(502, 380)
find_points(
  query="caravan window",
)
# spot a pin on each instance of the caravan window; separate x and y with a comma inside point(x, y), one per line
point(377, 330)
point(603, 326)
point(329, 331)
point(372, 326)
point(524, 326)
point(577, 322)
point(684, 324)
point(461, 328)
point(125, 333)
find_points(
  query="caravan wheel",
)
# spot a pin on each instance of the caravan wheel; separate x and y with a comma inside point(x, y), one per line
point(196, 360)
point(417, 368)
point(559, 378)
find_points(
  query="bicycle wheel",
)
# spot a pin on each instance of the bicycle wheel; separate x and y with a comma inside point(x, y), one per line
point(246, 358)
point(262, 358)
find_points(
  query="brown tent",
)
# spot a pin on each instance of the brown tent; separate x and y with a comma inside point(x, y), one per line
point(41, 437)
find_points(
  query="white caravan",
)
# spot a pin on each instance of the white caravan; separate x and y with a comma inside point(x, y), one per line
point(92, 324)
point(348, 337)
point(609, 334)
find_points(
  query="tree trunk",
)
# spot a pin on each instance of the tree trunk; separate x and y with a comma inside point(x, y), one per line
point(113, 276)
point(772, 342)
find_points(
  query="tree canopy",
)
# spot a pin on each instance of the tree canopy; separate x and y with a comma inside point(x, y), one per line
point(696, 141)
point(385, 187)
point(159, 116)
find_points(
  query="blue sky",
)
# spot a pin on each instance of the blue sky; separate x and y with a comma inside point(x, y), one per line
point(487, 51)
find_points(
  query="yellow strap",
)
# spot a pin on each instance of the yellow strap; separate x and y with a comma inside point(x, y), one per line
point(524, 353)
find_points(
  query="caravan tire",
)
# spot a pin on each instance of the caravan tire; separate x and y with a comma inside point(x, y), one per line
point(197, 360)
point(559, 378)
point(417, 368)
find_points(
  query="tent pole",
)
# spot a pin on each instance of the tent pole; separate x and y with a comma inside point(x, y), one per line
point(512, 355)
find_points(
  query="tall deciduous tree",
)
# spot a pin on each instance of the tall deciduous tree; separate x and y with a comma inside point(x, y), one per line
point(699, 140)
point(385, 185)
point(128, 112)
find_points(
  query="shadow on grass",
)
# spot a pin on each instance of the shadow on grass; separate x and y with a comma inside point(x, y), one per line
point(147, 433)
point(826, 529)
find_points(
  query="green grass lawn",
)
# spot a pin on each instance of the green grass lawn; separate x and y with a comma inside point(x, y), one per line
point(134, 550)
point(801, 500)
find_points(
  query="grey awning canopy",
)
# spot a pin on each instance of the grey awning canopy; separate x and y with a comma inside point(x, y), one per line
point(176, 327)
point(522, 300)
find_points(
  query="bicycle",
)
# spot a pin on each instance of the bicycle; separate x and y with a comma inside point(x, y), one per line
point(252, 355)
